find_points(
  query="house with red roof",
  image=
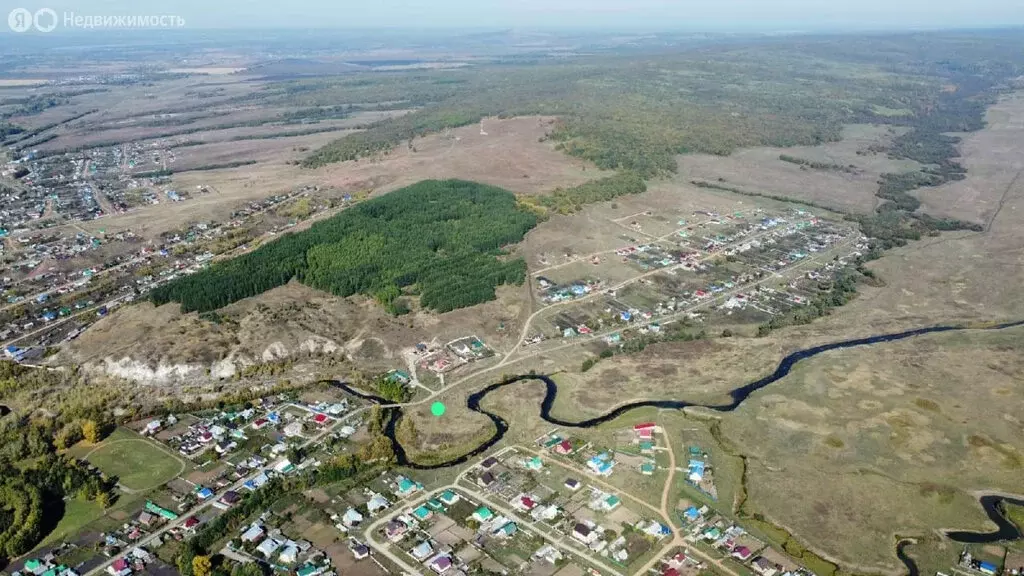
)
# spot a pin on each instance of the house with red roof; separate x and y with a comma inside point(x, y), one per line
point(741, 553)
point(564, 447)
point(120, 567)
point(525, 503)
point(321, 419)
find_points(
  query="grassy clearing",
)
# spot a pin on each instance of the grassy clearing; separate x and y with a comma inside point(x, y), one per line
point(136, 462)
point(77, 514)
point(881, 440)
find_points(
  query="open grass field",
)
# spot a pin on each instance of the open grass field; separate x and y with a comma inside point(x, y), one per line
point(890, 439)
point(78, 513)
point(701, 371)
point(137, 463)
point(761, 171)
point(994, 165)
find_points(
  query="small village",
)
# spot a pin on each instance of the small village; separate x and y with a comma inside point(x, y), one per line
point(727, 269)
point(60, 277)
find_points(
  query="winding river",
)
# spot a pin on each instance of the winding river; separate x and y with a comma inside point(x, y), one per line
point(1006, 531)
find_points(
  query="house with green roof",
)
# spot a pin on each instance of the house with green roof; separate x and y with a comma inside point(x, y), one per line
point(552, 441)
point(507, 530)
point(647, 468)
point(310, 570)
point(534, 463)
point(435, 504)
point(34, 566)
point(422, 513)
point(483, 514)
point(611, 502)
point(406, 486)
point(162, 512)
point(646, 446)
point(449, 497)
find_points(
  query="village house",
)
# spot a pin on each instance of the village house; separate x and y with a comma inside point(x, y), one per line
point(377, 503)
point(395, 530)
point(351, 518)
point(741, 553)
point(422, 513)
point(448, 497)
point(407, 487)
point(253, 534)
point(506, 530)
point(483, 514)
point(524, 503)
point(422, 550)
point(602, 464)
point(120, 567)
point(584, 533)
point(764, 566)
point(268, 547)
point(484, 480)
point(441, 564)
point(549, 553)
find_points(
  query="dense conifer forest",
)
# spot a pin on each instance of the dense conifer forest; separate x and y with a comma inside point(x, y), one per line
point(439, 240)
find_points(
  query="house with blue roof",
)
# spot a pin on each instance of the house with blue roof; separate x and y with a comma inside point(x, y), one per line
point(377, 503)
point(692, 514)
point(696, 468)
point(449, 497)
point(422, 550)
point(257, 482)
point(602, 464)
point(351, 518)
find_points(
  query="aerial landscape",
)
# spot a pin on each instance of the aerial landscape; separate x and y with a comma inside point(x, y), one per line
point(548, 289)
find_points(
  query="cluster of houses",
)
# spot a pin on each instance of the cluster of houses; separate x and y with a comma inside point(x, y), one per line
point(225, 431)
point(62, 186)
point(221, 433)
point(45, 566)
point(452, 355)
point(552, 293)
point(409, 531)
point(134, 561)
point(680, 562)
point(267, 543)
point(705, 526)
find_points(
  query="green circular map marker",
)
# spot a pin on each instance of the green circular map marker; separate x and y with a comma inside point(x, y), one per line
point(437, 409)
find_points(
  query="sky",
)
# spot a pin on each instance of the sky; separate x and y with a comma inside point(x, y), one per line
point(716, 15)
